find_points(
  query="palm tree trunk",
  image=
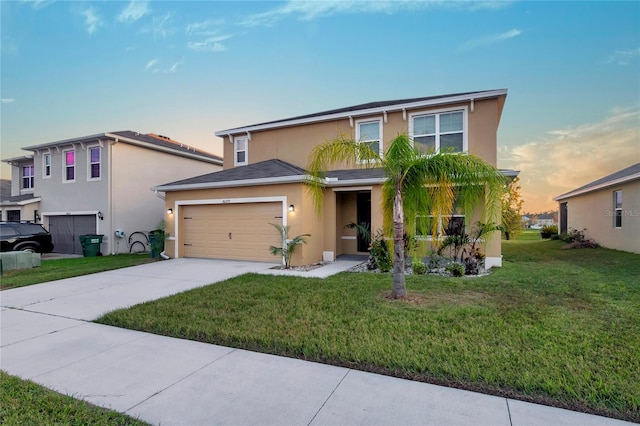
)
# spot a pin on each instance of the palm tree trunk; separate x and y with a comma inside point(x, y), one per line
point(399, 289)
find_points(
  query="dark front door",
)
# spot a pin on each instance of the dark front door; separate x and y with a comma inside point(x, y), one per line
point(363, 212)
point(563, 218)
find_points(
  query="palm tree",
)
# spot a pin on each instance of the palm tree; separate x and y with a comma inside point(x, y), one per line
point(416, 184)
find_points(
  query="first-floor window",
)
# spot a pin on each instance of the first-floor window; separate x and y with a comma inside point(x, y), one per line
point(69, 166)
point(94, 162)
point(617, 209)
point(27, 177)
point(425, 225)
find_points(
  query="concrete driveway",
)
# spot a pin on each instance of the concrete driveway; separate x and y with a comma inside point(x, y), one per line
point(46, 338)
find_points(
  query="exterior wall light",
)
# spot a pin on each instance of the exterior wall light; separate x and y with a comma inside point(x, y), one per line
point(292, 208)
point(169, 211)
point(100, 216)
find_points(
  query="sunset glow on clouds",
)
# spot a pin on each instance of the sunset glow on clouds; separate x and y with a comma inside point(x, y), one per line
point(569, 158)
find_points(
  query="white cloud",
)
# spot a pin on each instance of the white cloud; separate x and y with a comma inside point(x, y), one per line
point(208, 27)
point(38, 4)
point(7, 100)
point(92, 20)
point(161, 26)
point(622, 57)
point(150, 64)
point(482, 41)
point(212, 44)
point(134, 11)
point(308, 10)
point(574, 156)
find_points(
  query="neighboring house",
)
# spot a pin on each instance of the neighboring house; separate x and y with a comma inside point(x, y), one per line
point(228, 214)
point(545, 219)
point(99, 184)
point(608, 208)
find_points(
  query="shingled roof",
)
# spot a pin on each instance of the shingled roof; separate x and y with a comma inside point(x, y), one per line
point(150, 140)
point(367, 108)
point(625, 175)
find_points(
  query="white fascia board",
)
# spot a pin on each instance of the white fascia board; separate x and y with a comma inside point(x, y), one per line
point(163, 149)
point(603, 185)
point(64, 142)
point(364, 112)
point(231, 184)
point(355, 182)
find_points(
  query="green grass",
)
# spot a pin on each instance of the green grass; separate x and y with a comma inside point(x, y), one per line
point(25, 403)
point(559, 327)
point(57, 269)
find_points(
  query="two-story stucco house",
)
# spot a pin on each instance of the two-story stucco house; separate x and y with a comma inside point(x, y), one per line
point(99, 184)
point(228, 214)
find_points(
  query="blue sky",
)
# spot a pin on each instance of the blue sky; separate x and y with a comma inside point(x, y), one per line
point(187, 69)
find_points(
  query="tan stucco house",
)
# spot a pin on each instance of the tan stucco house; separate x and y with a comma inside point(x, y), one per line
point(608, 209)
point(228, 214)
point(98, 184)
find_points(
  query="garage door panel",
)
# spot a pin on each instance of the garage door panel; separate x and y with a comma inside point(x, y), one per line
point(207, 229)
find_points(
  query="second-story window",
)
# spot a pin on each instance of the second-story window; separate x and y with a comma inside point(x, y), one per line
point(370, 133)
point(240, 151)
point(27, 177)
point(46, 165)
point(93, 155)
point(438, 132)
point(69, 158)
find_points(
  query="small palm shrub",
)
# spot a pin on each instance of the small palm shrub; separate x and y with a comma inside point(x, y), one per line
point(379, 256)
point(288, 245)
point(548, 230)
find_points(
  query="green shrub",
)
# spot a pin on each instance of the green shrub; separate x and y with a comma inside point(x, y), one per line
point(379, 256)
point(548, 230)
point(418, 267)
point(455, 269)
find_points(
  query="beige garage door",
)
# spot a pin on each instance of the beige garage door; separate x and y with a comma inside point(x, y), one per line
point(231, 231)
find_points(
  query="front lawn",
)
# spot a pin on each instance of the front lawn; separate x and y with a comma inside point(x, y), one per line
point(25, 403)
point(559, 327)
point(57, 269)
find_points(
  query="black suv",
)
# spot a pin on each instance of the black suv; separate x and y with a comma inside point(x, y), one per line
point(20, 236)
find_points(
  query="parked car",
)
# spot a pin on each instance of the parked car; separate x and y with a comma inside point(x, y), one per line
point(21, 236)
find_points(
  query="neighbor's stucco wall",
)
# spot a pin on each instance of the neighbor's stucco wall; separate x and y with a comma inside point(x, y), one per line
point(134, 207)
point(294, 144)
point(594, 211)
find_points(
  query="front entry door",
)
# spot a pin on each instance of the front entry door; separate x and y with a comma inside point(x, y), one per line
point(363, 212)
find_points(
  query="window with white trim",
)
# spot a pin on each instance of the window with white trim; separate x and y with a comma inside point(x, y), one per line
point(240, 148)
point(455, 223)
point(69, 165)
point(93, 162)
point(46, 165)
point(442, 131)
point(617, 209)
point(370, 133)
point(27, 176)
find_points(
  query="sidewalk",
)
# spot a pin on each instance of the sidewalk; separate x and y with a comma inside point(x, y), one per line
point(171, 381)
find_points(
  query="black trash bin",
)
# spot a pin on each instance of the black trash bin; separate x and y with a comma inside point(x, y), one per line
point(156, 242)
point(91, 244)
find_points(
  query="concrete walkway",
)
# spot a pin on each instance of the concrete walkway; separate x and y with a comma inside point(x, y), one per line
point(46, 338)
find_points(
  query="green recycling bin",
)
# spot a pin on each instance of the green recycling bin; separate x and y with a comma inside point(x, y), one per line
point(91, 245)
point(156, 242)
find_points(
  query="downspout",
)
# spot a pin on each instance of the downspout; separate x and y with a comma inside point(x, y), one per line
point(110, 197)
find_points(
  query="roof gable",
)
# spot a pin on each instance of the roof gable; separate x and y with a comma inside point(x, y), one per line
point(627, 174)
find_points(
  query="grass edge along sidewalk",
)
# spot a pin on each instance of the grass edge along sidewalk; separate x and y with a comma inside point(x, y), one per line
point(23, 402)
point(557, 327)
